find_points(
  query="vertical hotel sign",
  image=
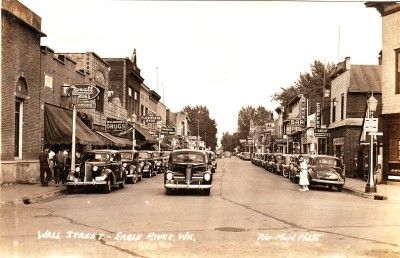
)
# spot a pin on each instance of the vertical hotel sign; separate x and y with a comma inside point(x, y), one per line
point(303, 111)
point(318, 116)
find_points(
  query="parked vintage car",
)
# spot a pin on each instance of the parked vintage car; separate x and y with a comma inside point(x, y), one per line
point(212, 160)
point(98, 168)
point(246, 156)
point(277, 165)
point(295, 167)
point(269, 161)
point(264, 160)
point(326, 170)
point(130, 161)
point(147, 163)
point(188, 169)
point(159, 162)
point(287, 159)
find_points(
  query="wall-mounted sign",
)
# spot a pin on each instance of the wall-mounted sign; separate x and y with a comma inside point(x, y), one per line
point(84, 91)
point(303, 111)
point(318, 116)
point(297, 122)
point(86, 105)
point(151, 119)
point(115, 125)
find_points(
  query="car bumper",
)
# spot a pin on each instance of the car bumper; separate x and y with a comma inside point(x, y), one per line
point(90, 183)
point(186, 186)
point(326, 182)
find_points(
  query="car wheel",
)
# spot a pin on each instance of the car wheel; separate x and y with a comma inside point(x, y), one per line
point(340, 188)
point(70, 189)
point(122, 184)
point(330, 187)
point(107, 187)
point(206, 192)
point(285, 173)
point(168, 191)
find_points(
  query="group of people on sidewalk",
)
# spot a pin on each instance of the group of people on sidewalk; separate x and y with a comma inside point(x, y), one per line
point(53, 166)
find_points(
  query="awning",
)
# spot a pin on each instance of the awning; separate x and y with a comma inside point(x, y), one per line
point(58, 127)
point(143, 132)
point(113, 140)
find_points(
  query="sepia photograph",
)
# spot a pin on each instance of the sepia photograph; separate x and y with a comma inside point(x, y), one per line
point(203, 128)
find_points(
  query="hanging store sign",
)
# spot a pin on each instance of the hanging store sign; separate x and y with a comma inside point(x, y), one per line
point(151, 119)
point(84, 91)
point(303, 111)
point(115, 125)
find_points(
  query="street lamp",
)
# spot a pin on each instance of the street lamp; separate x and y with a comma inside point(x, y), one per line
point(371, 107)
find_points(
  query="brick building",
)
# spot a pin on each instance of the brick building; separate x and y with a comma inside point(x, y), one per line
point(351, 86)
point(20, 141)
point(125, 81)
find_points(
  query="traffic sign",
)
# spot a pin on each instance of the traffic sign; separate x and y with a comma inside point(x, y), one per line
point(371, 125)
point(83, 91)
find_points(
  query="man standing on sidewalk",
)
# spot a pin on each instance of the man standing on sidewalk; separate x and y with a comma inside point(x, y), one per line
point(44, 167)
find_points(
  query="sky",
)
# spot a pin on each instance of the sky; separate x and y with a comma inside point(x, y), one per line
point(221, 54)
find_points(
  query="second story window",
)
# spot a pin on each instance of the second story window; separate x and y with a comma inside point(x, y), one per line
point(342, 107)
point(397, 75)
point(100, 101)
point(333, 110)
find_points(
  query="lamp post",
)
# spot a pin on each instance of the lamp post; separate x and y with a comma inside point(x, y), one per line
point(371, 108)
point(133, 131)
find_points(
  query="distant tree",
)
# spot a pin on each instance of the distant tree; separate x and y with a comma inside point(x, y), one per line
point(202, 124)
point(258, 115)
point(309, 83)
point(229, 141)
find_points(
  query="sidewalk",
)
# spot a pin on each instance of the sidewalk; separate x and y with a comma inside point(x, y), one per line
point(17, 194)
point(389, 191)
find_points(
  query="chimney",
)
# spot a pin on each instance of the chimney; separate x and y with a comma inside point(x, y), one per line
point(347, 63)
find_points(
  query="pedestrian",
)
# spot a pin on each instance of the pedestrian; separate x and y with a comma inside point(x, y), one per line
point(51, 164)
point(303, 181)
point(59, 166)
point(44, 167)
point(65, 172)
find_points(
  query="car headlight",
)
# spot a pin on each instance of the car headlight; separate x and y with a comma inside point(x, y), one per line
point(77, 169)
point(124, 165)
point(95, 168)
point(169, 176)
point(207, 177)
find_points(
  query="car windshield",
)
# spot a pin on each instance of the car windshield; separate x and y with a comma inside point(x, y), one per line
point(126, 155)
point(188, 157)
point(144, 155)
point(95, 157)
point(327, 162)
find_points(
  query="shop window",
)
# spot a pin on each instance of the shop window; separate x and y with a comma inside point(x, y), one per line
point(100, 101)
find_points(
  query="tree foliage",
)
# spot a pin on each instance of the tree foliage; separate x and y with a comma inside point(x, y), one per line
point(258, 115)
point(202, 124)
point(229, 141)
point(309, 83)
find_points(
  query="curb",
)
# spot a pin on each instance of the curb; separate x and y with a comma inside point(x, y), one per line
point(34, 198)
point(365, 195)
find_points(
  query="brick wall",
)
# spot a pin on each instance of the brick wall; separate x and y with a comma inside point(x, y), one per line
point(20, 58)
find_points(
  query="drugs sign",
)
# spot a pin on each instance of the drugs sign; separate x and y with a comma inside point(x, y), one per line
point(115, 125)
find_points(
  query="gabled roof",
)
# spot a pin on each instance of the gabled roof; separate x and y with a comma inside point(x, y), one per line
point(365, 78)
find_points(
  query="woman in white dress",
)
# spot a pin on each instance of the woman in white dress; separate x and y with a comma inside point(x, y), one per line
point(303, 181)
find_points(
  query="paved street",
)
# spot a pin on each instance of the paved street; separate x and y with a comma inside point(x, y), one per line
point(250, 213)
